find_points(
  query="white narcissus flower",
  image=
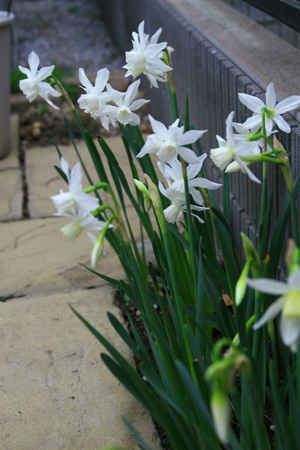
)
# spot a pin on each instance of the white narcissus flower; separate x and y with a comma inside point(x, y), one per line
point(288, 304)
point(232, 149)
point(95, 98)
point(273, 111)
point(169, 143)
point(145, 57)
point(81, 221)
point(65, 200)
point(174, 176)
point(34, 84)
point(123, 112)
point(176, 193)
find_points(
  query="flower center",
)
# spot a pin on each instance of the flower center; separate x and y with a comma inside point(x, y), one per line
point(124, 115)
point(269, 113)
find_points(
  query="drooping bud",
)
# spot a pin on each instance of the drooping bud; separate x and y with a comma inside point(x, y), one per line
point(251, 253)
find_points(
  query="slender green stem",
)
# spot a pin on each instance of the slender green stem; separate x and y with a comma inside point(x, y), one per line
point(103, 185)
point(294, 218)
point(190, 231)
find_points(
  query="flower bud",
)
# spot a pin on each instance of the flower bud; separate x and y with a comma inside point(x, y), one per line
point(251, 254)
point(97, 250)
point(241, 285)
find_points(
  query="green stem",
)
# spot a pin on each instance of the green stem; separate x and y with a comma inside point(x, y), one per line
point(103, 185)
point(190, 231)
point(294, 217)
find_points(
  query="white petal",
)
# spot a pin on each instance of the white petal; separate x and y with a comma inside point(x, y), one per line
point(270, 97)
point(101, 80)
point(281, 123)
point(159, 128)
point(229, 130)
point(65, 166)
point(270, 313)
point(289, 330)
point(75, 179)
point(253, 121)
point(188, 155)
point(86, 202)
point(204, 183)
point(267, 286)
point(33, 61)
point(85, 81)
point(294, 281)
point(138, 104)
point(190, 137)
point(288, 104)
point(253, 103)
point(194, 169)
point(131, 93)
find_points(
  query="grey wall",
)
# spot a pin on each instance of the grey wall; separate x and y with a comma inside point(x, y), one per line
point(214, 82)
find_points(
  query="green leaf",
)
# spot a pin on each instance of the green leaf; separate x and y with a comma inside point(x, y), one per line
point(61, 173)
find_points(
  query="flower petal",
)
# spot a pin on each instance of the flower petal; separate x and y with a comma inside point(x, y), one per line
point(288, 104)
point(85, 81)
point(190, 137)
point(270, 313)
point(188, 155)
point(255, 104)
point(289, 330)
point(281, 123)
point(270, 97)
point(267, 286)
point(158, 128)
point(131, 92)
point(33, 61)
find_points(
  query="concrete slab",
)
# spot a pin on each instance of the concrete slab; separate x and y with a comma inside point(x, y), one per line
point(56, 393)
point(11, 194)
point(11, 161)
point(36, 257)
point(11, 178)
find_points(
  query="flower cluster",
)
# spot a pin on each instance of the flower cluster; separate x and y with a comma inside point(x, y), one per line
point(145, 57)
point(82, 219)
point(233, 152)
point(110, 106)
point(168, 144)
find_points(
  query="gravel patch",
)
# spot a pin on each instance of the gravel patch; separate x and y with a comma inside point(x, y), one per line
point(69, 34)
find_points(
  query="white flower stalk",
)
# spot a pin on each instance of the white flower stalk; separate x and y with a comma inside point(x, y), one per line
point(232, 149)
point(288, 304)
point(95, 98)
point(174, 176)
point(145, 57)
point(169, 143)
point(34, 84)
point(123, 112)
point(273, 111)
point(65, 200)
point(81, 221)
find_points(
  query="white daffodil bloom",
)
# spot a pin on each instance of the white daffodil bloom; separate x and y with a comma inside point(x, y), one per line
point(65, 200)
point(174, 176)
point(273, 111)
point(169, 143)
point(95, 98)
point(123, 112)
point(288, 304)
point(178, 204)
point(145, 57)
point(81, 221)
point(232, 149)
point(34, 84)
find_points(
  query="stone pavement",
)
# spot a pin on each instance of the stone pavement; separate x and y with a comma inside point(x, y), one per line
point(55, 392)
